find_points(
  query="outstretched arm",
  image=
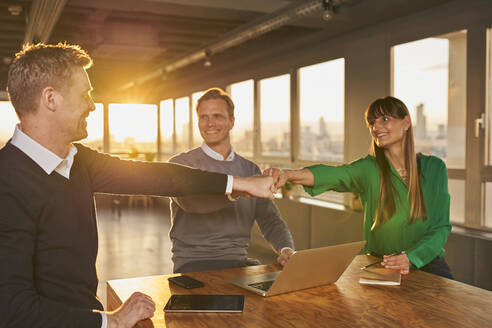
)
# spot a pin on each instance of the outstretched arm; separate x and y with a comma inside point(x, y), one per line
point(302, 176)
point(112, 175)
point(254, 186)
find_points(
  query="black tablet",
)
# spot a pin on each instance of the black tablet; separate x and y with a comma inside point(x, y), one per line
point(205, 303)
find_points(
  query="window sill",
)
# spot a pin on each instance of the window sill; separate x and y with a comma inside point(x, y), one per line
point(316, 202)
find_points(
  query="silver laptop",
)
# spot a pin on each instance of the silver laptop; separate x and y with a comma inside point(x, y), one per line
point(305, 269)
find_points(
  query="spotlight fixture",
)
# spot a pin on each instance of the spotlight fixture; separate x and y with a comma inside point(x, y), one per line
point(329, 10)
point(7, 60)
point(207, 62)
point(15, 10)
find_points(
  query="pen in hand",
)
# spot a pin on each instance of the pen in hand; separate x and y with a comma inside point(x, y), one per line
point(370, 265)
point(378, 262)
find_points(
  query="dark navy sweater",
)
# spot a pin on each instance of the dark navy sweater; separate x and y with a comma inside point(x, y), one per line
point(48, 230)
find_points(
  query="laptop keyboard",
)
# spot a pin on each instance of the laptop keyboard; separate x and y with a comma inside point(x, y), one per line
point(264, 285)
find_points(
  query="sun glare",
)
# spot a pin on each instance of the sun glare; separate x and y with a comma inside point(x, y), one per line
point(135, 121)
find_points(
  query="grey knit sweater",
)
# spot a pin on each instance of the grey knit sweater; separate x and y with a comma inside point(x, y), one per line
point(210, 227)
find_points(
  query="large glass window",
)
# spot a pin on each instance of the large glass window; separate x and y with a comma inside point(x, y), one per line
point(429, 76)
point(167, 117)
point(321, 101)
point(95, 129)
point(488, 185)
point(133, 130)
point(197, 138)
point(182, 119)
point(242, 94)
point(8, 120)
point(275, 115)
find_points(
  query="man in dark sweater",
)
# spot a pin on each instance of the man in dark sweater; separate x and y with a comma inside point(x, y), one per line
point(48, 229)
point(208, 231)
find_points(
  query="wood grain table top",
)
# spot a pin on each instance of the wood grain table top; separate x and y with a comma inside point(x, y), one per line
point(422, 300)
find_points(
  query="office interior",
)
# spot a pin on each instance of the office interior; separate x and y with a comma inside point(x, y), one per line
point(301, 74)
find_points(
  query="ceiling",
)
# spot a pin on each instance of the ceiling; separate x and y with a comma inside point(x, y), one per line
point(130, 39)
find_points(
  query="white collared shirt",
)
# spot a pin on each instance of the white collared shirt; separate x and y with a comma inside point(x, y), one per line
point(215, 155)
point(42, 156)
point(49, 162)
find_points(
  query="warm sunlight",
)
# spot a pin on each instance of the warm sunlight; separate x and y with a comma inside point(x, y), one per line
point(242, 94)
point(197, 138)
point(133, 126)
point(182, 119)
point(137, 121)
point(421, 76)
point(8, 120)
point(167, 116)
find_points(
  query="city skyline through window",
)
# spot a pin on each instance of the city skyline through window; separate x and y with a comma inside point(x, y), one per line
point(133, 128)
point(275, 116)
point(429, 76)
point(242, 94)
point(167, 118)
point(182, 119)
point(197, 138)
point(321, 101)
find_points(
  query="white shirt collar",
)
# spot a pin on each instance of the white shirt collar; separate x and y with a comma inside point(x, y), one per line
point(215, 155)
point(42, 156)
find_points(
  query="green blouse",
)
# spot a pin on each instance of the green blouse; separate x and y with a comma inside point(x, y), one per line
point(422, 240)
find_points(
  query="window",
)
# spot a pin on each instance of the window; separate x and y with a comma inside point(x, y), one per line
point(197, 138)
point(429, 76)
point(167, 117)
point(488, 184)
point(7, 122)
point(182, 119)
point(242, 94)
point(275, 116)
point(95, 129)
point(133, 130)
point(321, 102)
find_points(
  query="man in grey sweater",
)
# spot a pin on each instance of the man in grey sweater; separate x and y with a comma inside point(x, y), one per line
point(210, 232)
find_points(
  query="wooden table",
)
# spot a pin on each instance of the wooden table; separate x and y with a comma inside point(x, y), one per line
point(422, 300)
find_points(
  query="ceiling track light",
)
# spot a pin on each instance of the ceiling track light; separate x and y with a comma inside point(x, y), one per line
point(329, 10)
point(15, 10)
point(207, 62)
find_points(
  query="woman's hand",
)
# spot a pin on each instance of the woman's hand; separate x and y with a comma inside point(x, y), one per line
point(279, 176)
point(398, 262)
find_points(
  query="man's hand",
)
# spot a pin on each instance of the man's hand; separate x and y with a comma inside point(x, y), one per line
point(285, 256)
point(254, 186)
point(397, 262)
point(279, 176)
point(137, 307)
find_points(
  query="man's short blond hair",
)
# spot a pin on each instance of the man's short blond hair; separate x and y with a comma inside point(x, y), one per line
point(217, 93)
point(38, 66)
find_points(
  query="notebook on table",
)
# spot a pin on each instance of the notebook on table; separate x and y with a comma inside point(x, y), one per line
point(305, 269)
point(380, 276)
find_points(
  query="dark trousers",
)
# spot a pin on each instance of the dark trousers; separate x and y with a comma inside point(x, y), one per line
point(214, 265)
point(439, 267)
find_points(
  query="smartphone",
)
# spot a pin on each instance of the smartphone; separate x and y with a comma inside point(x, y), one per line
point(186, 282)
point(205, 303)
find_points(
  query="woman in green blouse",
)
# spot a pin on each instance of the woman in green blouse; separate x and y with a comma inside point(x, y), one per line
point(404, 195)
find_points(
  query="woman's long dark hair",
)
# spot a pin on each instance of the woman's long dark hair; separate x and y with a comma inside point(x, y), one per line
point(390, 106)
